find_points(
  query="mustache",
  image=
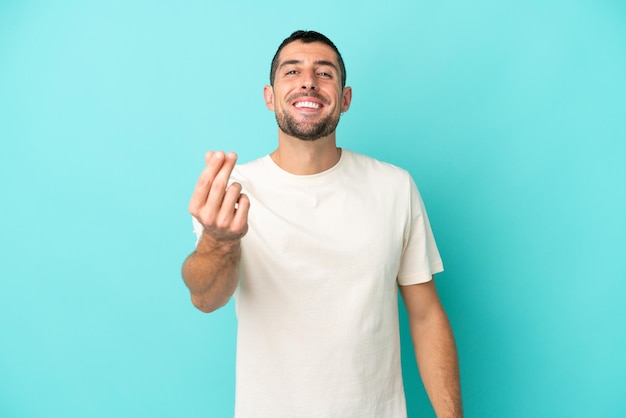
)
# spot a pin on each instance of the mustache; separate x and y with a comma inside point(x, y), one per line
point(313, 94)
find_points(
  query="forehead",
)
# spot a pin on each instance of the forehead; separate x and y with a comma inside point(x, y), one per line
point(313, 51)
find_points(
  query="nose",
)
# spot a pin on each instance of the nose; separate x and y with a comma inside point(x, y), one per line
point(308, 81)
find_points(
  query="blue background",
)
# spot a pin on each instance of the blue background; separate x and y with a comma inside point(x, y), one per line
point(510, 115)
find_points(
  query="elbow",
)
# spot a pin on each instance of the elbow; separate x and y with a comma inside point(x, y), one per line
point(206, 306)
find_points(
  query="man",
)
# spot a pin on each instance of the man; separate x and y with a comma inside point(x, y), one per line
point(332, 236)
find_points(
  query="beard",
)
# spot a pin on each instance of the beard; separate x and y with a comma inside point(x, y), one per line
point(306, 131)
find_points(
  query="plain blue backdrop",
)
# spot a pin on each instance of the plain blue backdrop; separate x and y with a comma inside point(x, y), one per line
point(510, 115)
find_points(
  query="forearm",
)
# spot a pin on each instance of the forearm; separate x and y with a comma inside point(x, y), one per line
point(211, 273)
point(437, 359)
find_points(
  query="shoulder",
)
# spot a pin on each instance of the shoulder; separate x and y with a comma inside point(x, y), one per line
point(245, 171)
point(372, 168)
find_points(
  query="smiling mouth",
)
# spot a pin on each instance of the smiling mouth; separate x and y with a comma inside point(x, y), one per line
point(307, 105)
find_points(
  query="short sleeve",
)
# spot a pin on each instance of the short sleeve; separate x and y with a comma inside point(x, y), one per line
point(420, 256)
point(197, 229)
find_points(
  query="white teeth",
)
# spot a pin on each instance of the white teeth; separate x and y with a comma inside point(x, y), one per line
point(310, 105)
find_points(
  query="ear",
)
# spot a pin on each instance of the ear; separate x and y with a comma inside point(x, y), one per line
point(346, 99)
point(268, 94)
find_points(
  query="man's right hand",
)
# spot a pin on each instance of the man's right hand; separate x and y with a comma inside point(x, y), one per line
point(220, 208)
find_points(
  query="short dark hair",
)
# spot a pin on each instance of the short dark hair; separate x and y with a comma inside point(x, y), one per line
point(307, 36)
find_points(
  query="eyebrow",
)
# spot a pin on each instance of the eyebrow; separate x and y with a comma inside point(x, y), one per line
point(319, 62)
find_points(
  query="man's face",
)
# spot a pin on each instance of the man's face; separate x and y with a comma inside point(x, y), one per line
point(307, 96)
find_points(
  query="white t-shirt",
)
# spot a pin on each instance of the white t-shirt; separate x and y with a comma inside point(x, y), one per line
point(317, 302)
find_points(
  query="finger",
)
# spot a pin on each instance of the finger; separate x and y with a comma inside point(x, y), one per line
point(220, 182)
point(207, 156)
point(214, 162)
point(228, 164)
point(240, 220)
point(228, 208)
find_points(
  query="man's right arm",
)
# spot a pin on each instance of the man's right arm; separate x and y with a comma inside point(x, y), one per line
point(211, 272)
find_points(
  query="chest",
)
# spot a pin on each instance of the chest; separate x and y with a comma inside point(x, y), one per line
point(324, 226)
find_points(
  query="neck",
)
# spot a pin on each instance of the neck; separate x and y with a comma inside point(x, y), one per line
point(306, 157)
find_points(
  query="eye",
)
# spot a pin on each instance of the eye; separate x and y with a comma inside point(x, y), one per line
point(324, 74)
point(291, 72)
